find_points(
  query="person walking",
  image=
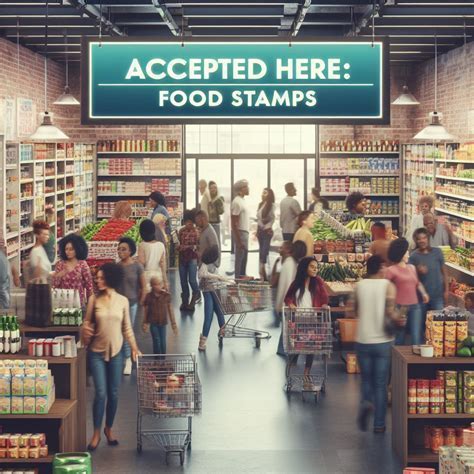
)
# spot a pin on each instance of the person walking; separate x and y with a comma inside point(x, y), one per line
point(374, 303)
point(240, 227)
point(407, 284)
point(72, 271)
point(203, 191)
point(207, 276)
point(152, 254)
point(440, 234)
point(158, 206)
point(188, 237)
point(380, 243)
point(215, 209)
point(429, 263)
point(318, 203)
point(305, 224)
point(306, 291)
point(289, 211)
point(39, 263)
point(133, 287)
point(296, 252)
point(207, 237)
point(265, 220)
point(106, 325)
point(158, 311)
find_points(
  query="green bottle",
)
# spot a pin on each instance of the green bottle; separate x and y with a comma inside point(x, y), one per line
point(7, 335)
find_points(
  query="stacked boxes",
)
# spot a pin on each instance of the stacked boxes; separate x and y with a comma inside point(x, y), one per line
point(23, 446)
point(26, 387)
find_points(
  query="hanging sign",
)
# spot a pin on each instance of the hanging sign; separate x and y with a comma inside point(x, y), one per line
point(307, 81)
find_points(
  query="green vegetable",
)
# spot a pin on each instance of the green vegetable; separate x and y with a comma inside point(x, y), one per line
point(464, 352)
point(468, 342)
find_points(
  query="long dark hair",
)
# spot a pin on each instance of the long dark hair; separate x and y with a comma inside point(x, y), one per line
point(268, 203)
point(300, 280)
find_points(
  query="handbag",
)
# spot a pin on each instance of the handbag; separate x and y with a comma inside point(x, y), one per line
point(38, 305)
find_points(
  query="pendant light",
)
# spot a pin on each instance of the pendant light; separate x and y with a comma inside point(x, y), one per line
point(405, 98)
point(66, 98)
point(435, 132)
point(47, 131)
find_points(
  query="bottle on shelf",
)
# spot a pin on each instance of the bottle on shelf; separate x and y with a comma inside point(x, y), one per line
point(6, 335)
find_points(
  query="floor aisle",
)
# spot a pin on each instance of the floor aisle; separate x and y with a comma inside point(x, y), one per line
point(248, 425)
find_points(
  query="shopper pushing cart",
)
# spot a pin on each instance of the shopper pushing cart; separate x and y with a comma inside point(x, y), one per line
point(307, 327)
point(168, 387)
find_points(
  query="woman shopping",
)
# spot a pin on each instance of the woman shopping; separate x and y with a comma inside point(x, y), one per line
point(305, 223)
point(265, 220)
point(406, 281)
point(133, 287)
point(72, 271)
point(152, 254)
point(306, 291)
point(374, 305)
point(106, 326)
point(39, 263)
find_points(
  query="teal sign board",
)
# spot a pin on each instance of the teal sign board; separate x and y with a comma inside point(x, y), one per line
point(149, 81)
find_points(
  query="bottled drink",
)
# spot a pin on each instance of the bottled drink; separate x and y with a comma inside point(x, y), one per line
point(16, 337)
point(7, 336)
point(1, 336)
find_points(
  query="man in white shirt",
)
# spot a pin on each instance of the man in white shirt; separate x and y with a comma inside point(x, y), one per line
point(205, 197)
point(289, 211)
point(240, 220)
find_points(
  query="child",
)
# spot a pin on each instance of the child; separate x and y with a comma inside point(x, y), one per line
point(188, 241)
point(157, 311)
point(207, 276)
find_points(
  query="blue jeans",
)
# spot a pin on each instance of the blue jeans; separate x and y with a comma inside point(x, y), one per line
point(158, 337)
point(211, 306)
point(374, 361)
point(415, 326)
point(127, 351)
point(107, 377)
point(188, 272)
point(436, 303)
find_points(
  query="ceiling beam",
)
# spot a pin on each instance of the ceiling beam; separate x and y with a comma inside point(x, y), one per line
point(167, 17)
point(235, 32)
point(428, 11)
point(90, 10)
point(300, 17)
point(228, 11)
point(27, 11)
point(420, 22)
point(231, 22)
point(52, 22)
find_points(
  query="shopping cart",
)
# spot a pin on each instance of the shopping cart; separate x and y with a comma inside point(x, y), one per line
point(238, 299)
point(168, 386)
point(307, 331)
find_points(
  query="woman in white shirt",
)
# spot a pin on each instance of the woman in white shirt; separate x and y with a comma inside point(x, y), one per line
point(425, 206)
point(265, 220)
point(40, 265)
point(374, 302)
point(152, 254)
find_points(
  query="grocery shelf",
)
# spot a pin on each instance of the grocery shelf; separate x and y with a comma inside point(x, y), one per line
point(456, 178)
point(48, 459)
point(26, 230)
point(460, 269)
point(471, 241)
point(59, 410)
point(149, 175)
point(454, 213)
point(365, 194)
point(395, 216)
point(456, 196)
point(26, 180)
point(28, 247)
point(421, 456)
point(164, 153)
point(417, 416)
point(470, 162)
point(12, 255)
point(11, 167)
point(357, 175)
point(28, 198)
point(359, 152)
point(137, 194)
point(427, 160)
point(10, 235)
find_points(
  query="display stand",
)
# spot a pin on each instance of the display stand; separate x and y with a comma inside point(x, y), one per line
point(408, 429)
point(65, 424)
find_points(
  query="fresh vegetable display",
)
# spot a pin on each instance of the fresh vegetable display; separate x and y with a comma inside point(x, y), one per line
point(459, 256)
point(466, 347)
point(322, 231)
point(134, 232)
point(360, 224)
point(91, 229)
point(114, 229)
point(337, 272)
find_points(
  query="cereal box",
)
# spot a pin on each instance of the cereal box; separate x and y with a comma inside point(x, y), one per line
point(5, 383)
point(17, 384)
point(17, 405)
point(5, 405)
point(29, 405)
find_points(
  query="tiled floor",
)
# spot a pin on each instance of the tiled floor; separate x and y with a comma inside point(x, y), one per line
point(248, 424)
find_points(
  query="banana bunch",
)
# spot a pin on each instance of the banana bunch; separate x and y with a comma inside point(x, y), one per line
point(360, 224)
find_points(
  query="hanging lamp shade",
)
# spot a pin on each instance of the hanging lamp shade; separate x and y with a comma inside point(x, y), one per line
point(47, 131)
point(435, 132)
point(405, 98)
point(66, 98)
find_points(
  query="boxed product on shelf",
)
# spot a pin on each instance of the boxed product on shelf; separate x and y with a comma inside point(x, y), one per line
point(456, 460)
point(23, 446)
point(136, 146)
point(360, 145)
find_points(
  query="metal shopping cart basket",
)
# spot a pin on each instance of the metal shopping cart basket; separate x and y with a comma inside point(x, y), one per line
point(168, 386)
point(307, 331)
point(238, 299)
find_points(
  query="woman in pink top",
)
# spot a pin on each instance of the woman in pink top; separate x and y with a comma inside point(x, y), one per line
point(405, 279)
point(72, 271)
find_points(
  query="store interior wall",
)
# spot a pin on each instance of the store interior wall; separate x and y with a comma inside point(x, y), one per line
point(455, 97)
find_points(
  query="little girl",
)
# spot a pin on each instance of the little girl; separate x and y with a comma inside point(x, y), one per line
point(157, 311)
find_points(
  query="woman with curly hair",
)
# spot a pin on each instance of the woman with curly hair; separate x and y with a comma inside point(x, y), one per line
point(72, 271)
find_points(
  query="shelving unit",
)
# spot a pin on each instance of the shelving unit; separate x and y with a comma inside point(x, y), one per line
point(65, 423)
point(376, 166)
point(53, 182)
point(135, 174)
point(408, 430)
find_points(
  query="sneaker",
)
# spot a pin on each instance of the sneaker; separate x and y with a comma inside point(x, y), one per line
point(363, 416)
point(202, 343)
point(127, 370)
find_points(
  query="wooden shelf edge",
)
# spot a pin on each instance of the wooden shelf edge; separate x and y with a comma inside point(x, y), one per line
point(61, 409)
point(453, 416)
point(48, 459)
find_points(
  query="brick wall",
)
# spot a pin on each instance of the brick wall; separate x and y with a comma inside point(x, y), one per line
point(456, 99)
point(28, 81)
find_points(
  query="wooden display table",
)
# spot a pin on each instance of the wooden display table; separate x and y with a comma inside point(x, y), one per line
point(408, 429)
point(65, 424)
